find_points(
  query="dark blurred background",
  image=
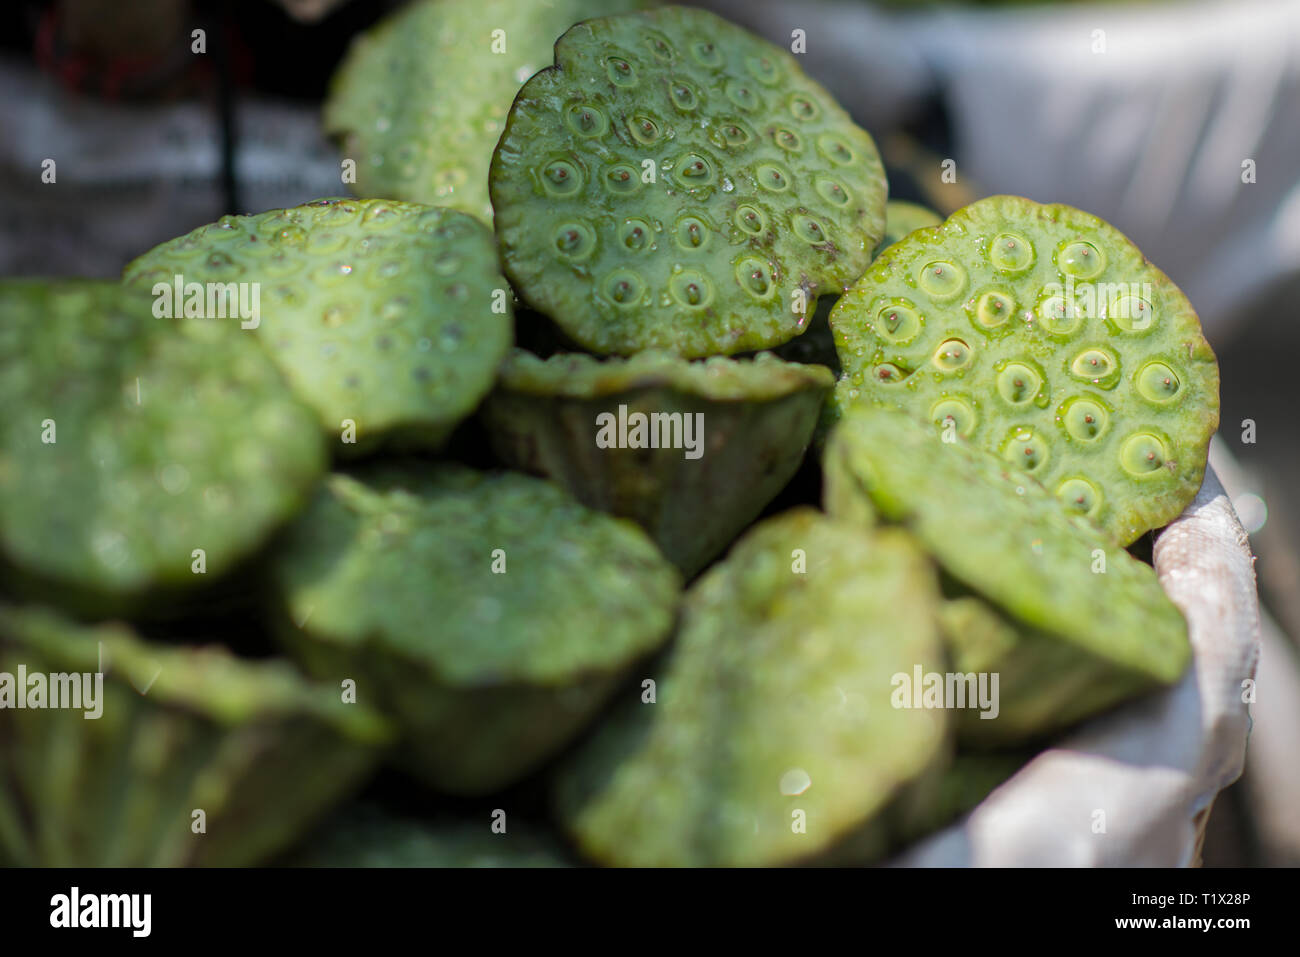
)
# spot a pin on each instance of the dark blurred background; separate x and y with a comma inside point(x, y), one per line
point(1151, 115)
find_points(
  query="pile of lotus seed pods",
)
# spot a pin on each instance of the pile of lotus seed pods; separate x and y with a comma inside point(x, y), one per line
point(618, 444)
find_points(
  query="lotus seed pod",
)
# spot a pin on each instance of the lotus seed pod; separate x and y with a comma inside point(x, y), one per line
point(130, 442)
point(164, 756)
point(1045, 684)
point(1041, 334)
point(1001, 535)
point(675, 182)
point(490, 614)
point(420, 99)
point(902, 219)
point(367, 835)
point(387, 318)
point(691, 451)
point(772, 738)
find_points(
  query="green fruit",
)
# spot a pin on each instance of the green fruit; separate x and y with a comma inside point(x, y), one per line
point(130, 442)
point(387, 318)
point(902, 219)
point(259, 751)
point(675, 182)
point(1092, 623)
point(368, 836)
point(489, 613)
point(748, 423)
point(772, 738)
point(420, 99)
point(1041, 334)
point(1045, 685)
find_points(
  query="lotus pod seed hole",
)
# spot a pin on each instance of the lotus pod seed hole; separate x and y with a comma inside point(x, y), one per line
point(1018, 383)
point(952, 354)
point(958, 411)
point(942, 280)
point(1011, 252)
point(1097, 366)
point(1026, 449)
point(993, 309)
point(1156, 382)
point(1081, 260)
point(1142, 454)
point(1081, 496)
point(1085, 419)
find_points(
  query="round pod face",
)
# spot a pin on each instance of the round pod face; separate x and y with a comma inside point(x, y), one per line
point(1008, 539)
point(138, 454)
point(419, 101)
point(772, 709)
point(1041, 334)
point(387, 318)
point(691, 451)
point(144, 734)
point(491, 613)
point(675, 182)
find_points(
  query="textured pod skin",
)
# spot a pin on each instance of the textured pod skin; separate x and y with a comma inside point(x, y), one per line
point(757, 419)
point(675, 182)
point(1004, 537)
point(487, 673)
point(1041, 334)
point(420, 100)
point(775, 698)
point(164, 436)
point(1045, 684)
point(260, 751)
point(391, 315)
point(369, 836)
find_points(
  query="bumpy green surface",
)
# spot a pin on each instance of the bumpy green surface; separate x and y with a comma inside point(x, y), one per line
point(903, 218)
point(1108, 400)
point(776, 698)
point(1008, 539)
point(262, 753)
point(757, 418)
point(169, 436)
point(763, 188)
point(390, 314)
point(368, 836)
point(389, 579)
point(420, 100)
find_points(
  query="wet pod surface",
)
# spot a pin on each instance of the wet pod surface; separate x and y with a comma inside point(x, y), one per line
point(1006, 538)
point(675, 182)
point(420, 100)
point(1041, 334)
point(772, 707)
point(717, 439)
point(490, 612)
point(132, 441)
point(258, 749)
point(390, 315)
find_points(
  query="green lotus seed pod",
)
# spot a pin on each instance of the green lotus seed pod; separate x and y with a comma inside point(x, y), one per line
point(138, 456)
point(420, 99)
point(161, 755)
point(902, 219)
point(1102, 613)
point(772, 738)
point(719, 193)
point(366, 835)
point(1079, 361)
point(691, 451)
point(490, 614)
point(1044, 686)
point(387, 318)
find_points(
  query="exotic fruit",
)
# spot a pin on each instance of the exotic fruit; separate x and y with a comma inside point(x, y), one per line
point(1041, 334)
point(676, 182)
point(387, 318)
